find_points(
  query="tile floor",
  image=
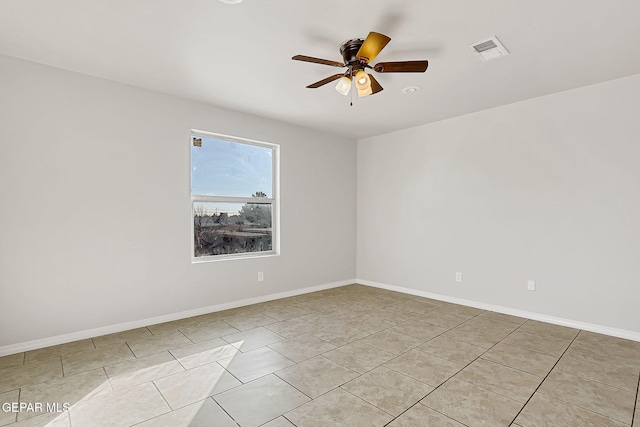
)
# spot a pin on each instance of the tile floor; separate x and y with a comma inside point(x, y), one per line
point(351, 356)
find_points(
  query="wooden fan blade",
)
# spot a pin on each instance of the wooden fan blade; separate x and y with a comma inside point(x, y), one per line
point(375, 86)
point(325, 81)
point(317, 60)
point(402, 67)
point(372, 46)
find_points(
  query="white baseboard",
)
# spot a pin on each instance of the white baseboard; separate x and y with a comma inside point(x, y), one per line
point(620, 333)
point(90, 333)
point(96, 332)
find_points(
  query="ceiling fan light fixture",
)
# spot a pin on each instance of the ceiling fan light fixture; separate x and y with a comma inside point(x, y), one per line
point(363, 83)
point(344, 85)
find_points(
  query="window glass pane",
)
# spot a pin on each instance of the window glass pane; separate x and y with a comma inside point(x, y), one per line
point(224, 168)
point(231, 228)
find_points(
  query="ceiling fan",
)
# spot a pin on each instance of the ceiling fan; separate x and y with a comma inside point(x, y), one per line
point(357, 53)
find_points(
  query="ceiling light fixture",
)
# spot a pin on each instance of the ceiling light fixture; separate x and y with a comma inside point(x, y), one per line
point(344, 85)
point(231, 1)
point(363, 83)
point(411, 89)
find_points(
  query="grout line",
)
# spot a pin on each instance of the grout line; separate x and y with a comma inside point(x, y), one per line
point(465, 366)
point(635, 404)
point(162, 395)
point(221, 407)
point(543, 380)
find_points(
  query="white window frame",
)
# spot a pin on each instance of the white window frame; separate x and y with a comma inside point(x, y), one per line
point(274, 200)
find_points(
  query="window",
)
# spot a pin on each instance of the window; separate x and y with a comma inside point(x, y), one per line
point(234, 197)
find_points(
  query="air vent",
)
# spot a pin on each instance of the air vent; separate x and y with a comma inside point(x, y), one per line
point(489, 49)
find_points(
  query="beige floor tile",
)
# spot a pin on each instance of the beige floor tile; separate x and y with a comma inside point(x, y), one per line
point(121, 408)
point(598, 372)
point(595, 338)
point(472, 405)
point(293, 327)
point(492, 325)
point(500, 379)
point(95, 358)
point(388, 390)
point(377, 303)
point(418, 329)
point(417, 306)
point(285, 313)
point(606, 373)
point(249, 321)
point(421, 299)
point(369, 323)
point(255, 364)
point(596, 397)
point(58, 350)
point(191, 356)
point(522, 359)
point(314, 306)
point(49, 420)
point(325, 319)
point(262, 307)
point(8, 397)
point(395, 314)
point(70, 389)
point(359, 357)
point(461, 310)
point(120, 337)
point(546, 345)
point(30, 373)
point(610, 353)
point(145, 369)
point(420, 415)
point(196, 384)
point(474, 336)
point(352, 310)
point(279, 422)
point(174, 325)
point(11, 360)
point(340, 334)
point(157, 343)
point(452, 350)
point(545, 411)
point(548, 330)
point(252, 339)
point(443, 319)
point(502, 317)
point(316, 376)
point(424, 367)
point(302, 347)
point(260, 401)
point(338, 408)
point(217, 316)
point(395, 343)
point(205, 413)
point(208, 331)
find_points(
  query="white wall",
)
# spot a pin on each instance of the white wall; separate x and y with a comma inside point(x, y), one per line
point(547, 189)
point(95, 219)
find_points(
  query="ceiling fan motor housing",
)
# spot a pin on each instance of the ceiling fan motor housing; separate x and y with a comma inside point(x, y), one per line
point(349, 50)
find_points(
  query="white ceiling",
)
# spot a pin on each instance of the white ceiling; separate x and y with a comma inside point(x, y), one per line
point(239, 56)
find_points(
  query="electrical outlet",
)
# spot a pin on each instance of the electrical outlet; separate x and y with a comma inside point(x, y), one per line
point(459, 277)
point(260, 276)
point(531, 285)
